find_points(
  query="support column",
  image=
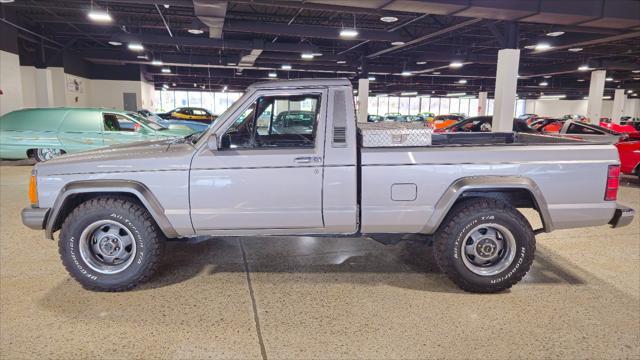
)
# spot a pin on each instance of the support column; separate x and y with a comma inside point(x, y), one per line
point(363, 99)
point(618, 106)
point(44, 88)
point(482, 103)
point(505, 93)
point(11, 97)
point(596, 90)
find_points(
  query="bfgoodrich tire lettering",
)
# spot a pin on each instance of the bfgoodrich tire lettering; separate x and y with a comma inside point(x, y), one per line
point(131, 220)
point(473, 220)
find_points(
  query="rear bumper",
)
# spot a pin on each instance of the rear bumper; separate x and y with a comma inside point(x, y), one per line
point(34, 218)
point(623, 216)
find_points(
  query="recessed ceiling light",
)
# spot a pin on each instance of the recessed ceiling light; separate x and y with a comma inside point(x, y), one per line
point(6, 1)
point(409, 93)
point(306, 56)
point(231, 64)
point(575, 49)
point(195, 31)
point(142, 57)
point(530, 47)
point(436, 73)
point(135, 46)
point(165, 86)
point(286, 67)
point(224, 88)
point(388, 19)
point(584, 68)
point(555, 33)
point(341, 62)
point(455, 94)
point(609, 79)
point(406, 73)
point(397, 43)
point(635, 71)
point(173, 84)
point(462, 81)
point(166, 70)
point(156, 62)
point(316, 54)
point(629, 91)
point(455, 64)
point(606, 97)
point(547, 76)
point(544, 83)
point(636, 78)
point(542, 46)
point(203, 87)
point(273, 75)
point(580, 80)
point(348, 33)
point(99, 16)
point(115, 43)
point(371, 78)
point(166, 6)
point(421, 62)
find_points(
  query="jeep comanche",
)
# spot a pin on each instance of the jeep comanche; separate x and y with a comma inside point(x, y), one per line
point(321, 175)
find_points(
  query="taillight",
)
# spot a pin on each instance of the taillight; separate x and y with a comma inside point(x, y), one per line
point(613, 182)
point(33, 191)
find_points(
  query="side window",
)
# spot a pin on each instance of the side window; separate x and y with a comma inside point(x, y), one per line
point(199, 112)
point(276, 122)
point(577, 129)
point(117, 122)
point(81, 120)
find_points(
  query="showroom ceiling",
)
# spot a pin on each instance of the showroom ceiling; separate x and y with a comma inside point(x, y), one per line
point(404, 45)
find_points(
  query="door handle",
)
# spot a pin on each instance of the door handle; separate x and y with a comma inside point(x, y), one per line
point(308, 159)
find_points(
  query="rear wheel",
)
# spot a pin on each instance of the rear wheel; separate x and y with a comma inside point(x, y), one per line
point(44, 154)
point(485, 245)
point(110, 244)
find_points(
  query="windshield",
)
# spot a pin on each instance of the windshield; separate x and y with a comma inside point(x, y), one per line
point(141, 119)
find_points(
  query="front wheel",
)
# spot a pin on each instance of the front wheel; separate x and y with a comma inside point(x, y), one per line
point(110, 244)
point(44, 154)
point(485, 245)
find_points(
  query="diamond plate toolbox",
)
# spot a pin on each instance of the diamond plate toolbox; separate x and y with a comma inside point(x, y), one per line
point(394, 134)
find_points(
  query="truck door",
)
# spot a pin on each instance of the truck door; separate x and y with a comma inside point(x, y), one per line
point(268, 171)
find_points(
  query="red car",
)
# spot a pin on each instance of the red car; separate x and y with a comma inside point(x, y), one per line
point(629, 152)
point(617, 127)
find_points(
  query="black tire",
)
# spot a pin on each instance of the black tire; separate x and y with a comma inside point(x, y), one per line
point(45, 154)
point(126, 215)
point(455, 232)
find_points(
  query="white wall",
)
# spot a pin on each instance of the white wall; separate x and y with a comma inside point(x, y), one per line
point(108, 93)
point(147, 95)
point(10, 82)
point(555, 108)
point(28, 75)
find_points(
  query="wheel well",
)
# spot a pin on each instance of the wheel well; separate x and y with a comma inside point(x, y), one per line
point(74, 200)
point(516, 197)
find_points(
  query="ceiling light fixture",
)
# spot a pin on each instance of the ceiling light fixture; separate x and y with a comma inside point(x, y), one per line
point(135, 46)
point(575, 49)
point(530, 47)
point(629, 91)
point(388, 19)
point(455, 94)
point(99, 16)
point(166, 70)
point(406, 73)
point(580, 80)
point(552, 97)
point(142, 57)
point(608, 97)
point(436, 73)
point(224, 88)
point(306, 56)
point(173, 84)
point(421, 62)
point(462, 81)
point(115, 43)
point(348, 33)
point(397, 43)
point(166, 6)
point(455, 64)
point(409, 93)
point(371, 78)
point(285, 67)
point(584, 68)
point(555, 33)
point(608, 79)
point(273, 75)
point(635, 71)
point(547, 76)
point(542, 46)
point(156, 62)
point(341, 62)
point(544, 83)
point(195, 31)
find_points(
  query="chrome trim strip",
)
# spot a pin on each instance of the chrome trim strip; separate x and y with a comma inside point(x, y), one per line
point(138, 189)
point(502, 163)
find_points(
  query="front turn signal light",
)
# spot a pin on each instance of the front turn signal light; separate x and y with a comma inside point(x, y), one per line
point(33, 190)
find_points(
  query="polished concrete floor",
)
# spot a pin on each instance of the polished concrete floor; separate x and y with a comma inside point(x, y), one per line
point(321, 298)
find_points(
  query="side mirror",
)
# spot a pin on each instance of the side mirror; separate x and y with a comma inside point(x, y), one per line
point(212, 142)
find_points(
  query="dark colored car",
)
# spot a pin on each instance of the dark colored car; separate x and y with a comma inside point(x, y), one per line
point(374, 118)
point(483, 124)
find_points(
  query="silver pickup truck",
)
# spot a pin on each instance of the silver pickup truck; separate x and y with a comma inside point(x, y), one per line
point(289, 159)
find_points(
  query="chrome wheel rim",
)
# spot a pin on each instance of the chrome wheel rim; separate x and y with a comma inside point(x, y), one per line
point(48, 154)
point(488, 249)
point(107, 247)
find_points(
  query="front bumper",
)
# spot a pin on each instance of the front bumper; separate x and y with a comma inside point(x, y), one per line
point(623, 216)
point(34, 218)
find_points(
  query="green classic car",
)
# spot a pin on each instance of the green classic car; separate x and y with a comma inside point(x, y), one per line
point(44, 133)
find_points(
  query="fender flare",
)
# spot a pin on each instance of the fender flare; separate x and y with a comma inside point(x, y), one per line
point(139, 190)
point(458, 187)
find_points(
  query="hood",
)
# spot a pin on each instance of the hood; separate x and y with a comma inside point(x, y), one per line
point(168, 154)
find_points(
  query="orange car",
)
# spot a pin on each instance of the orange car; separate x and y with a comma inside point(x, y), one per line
point(442, 121)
